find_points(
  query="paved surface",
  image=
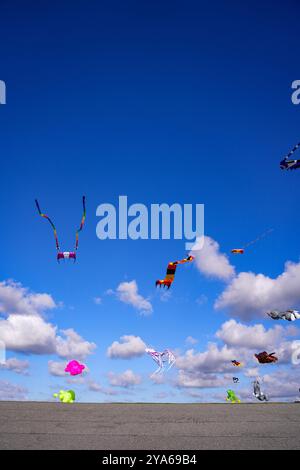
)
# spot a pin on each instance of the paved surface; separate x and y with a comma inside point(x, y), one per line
point(30, 425)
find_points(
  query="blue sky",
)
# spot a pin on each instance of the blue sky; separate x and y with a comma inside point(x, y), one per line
point(162, 102)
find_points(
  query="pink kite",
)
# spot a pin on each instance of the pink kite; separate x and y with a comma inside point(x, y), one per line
point(74, 367)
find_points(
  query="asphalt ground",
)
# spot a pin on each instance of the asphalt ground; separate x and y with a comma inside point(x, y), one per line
point(38, 425)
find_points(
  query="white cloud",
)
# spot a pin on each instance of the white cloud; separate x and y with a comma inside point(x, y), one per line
point(191, 340)
point(210, 261)
point(127, 292)
point(211, 361)
point(17, 300)
point(130, 346)
point(125, 379)
point(57, 368)
point(199, 380)
point(16, 365)
point(250, 295)
point(28, 334)
point(236, 334)
point(73, 345)
point(9, 391)
point(97, 300)
point(26, 330)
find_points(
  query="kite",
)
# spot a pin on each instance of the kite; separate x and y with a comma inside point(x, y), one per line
point(289, 315)
point(235, 380)
point(74, 367)
point(265, 358)
point(258, 393)
point(171, 269)
point(65, 396)
point(287, 163)
point(231, 396)
point(241, 251)
point(64, 254)
point(161, 358)
point(236, 363)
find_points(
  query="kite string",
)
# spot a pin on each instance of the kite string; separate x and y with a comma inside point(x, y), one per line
point(292, 151)
point(263, 235)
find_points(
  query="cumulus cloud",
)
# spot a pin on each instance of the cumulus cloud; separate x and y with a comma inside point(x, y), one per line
point(199, 380)
point(17, 300)
point(57, 369)
point(249, 295)
point(214, 359)
point(24, 328)
point(210, 261)
point(73, 345)
point(9, 391)
point(127, 292)
point(130, 346)
point(236, 334)
point(125, 379)
point(191, 340)
point(16, 365)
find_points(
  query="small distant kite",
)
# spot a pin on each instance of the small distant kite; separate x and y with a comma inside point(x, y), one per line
point(65, 396)
point(258, 393)
point(236, 363)
point(287, 163)
point(171, 269)
point(238, 251)
point(289, 315)
point(74, 368)
point(231, 396)
point(64, 254)
point(241, 251)
point(266, 358)
point(162, 359)
point(235, 380)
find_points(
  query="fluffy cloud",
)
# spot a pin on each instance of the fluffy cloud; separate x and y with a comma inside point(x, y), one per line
point(26, 330)
point(236, 334)
point(15, 365)
point(191, 340)
point(10, 391)
point(57, 368)
point(28, 334)
point(127, 292)
point(125, 379)
point(213, 360)
point(200, 380)
point(210, 261)
point(17, 300)
point(73, 345)
point(130, 346)
point(249, 295)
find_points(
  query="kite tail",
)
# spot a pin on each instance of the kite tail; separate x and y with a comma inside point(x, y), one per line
point(52, 224)
point(263, 235)
point(81, 223)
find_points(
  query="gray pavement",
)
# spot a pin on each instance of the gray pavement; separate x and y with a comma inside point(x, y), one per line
point(32, 425)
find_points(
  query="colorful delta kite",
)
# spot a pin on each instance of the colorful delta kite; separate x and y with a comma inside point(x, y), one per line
point(74, 368)
point(65, 396)
point(236, 363)
point(171, 269)
point(258, 393)
point(64, 254)
point(161, 359)
point(266, 358)
point(287, 163)
point(241, 251)
point(289, 315)
point(231, 396)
